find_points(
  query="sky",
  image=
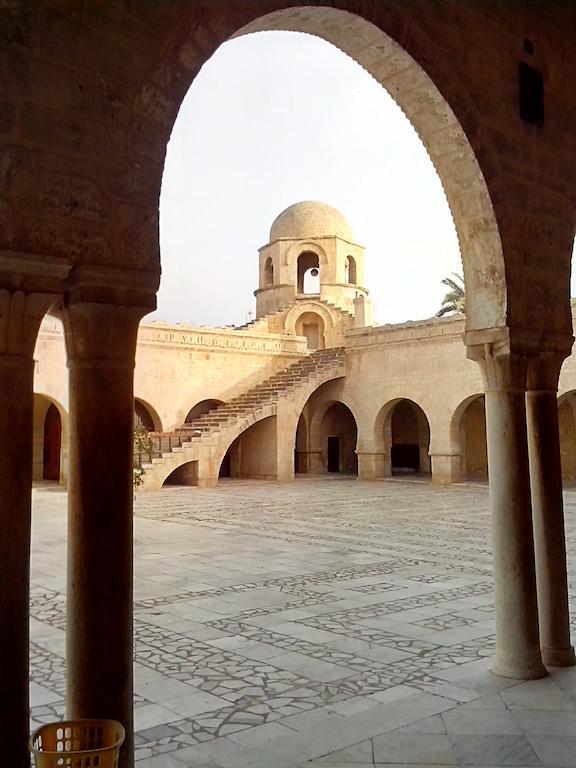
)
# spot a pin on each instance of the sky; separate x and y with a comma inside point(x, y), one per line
point(278, 117)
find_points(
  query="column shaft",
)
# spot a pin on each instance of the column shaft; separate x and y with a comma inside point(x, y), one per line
point(101, 341)
point(99, 607)
point(285, 445)
point(16, 405)
point(549, 537)
point(517, 638)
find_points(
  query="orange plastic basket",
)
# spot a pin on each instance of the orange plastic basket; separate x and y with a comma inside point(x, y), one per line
point(77, 744)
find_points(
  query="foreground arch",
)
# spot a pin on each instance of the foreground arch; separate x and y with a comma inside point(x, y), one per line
point(81, 183)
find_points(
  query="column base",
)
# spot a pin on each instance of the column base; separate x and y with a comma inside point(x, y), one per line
point(559, 657)
point(372, 465)
point(446, 468)
point(518, 668)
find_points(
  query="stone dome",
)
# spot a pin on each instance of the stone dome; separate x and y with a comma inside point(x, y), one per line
point(310, 219)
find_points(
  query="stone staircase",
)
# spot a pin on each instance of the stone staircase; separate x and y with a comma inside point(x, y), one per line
point(172, 449)
point(263, 323)
point(260, 323)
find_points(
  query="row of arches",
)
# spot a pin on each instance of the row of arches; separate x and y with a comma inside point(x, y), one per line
point(325, 444)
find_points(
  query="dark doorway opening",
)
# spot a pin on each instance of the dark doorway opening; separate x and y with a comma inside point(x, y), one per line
point(333, 454)
point(52, 443)
point(225, 467)
point(406, 457)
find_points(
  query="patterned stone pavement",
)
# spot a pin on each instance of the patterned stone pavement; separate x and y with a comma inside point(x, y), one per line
point(324, 623)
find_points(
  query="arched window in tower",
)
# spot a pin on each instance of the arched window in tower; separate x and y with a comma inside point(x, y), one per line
point(350, 271)
point(308, 273)
point(268, 272)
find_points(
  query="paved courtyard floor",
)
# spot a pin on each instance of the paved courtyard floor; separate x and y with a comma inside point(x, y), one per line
point(326, 623)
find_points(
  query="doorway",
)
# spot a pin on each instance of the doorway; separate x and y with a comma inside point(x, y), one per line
point(52, 444)
point(333, 454)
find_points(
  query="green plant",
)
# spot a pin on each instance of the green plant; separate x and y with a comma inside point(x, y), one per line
point(142, 445)
point(455, 299)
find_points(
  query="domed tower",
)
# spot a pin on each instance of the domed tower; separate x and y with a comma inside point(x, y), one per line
point(311, 254)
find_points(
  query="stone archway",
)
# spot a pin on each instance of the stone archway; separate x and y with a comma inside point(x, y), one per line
point(50, 441)
point(100, 156)
point(474, 458)
point(146, 416)
point(202, 407)
point(254, 453)
point(377, 41)
point(407, 437)
point(302, 445)
point(52, 444)
point(333, 436)
point(311, 325)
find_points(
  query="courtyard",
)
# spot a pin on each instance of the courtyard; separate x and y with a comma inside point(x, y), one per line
point(328, 622)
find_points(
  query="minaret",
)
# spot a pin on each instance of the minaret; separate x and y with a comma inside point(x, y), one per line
point(311, 253)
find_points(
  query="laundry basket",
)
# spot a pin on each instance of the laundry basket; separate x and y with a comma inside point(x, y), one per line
point(77, 744)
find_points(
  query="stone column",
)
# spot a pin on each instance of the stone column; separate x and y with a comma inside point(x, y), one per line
point(517, 636)
point(20, 317)
point(446, 468)
point(372, 465)
point(548, 509)
point(286, 425)
point(101, 345)
point(316, 462)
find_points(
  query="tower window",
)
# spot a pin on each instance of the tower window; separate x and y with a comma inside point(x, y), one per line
point(350, 271)
point(268, 272)
point(308, 273)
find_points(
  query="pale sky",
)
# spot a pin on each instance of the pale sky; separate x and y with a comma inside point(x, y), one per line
point(274, 118)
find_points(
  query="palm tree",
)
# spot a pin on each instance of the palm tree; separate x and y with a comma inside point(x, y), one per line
point(455, 299)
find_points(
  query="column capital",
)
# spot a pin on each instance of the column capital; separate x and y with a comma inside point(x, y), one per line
point(518, 359)
point(544, 369)
point(101, 311)
point(501, 367)
point(101, 335)
point(93, 283)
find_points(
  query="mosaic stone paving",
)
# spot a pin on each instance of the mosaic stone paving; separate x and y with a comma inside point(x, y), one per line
point(324, 623)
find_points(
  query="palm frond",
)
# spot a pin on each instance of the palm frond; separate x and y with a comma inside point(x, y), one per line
point(455, 298)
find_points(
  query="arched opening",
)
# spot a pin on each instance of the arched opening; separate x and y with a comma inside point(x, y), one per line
point(268, 272)
point(473, 440)
point(186, 474)
point(338, 437)
point(350, 271)
point(311, 325)
point(301, 464)
point(52, 444)
point(253, 454)
point(308, 273)
point(567, 430)
point(204, 406)
point(143, 417)
point(409, 439)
